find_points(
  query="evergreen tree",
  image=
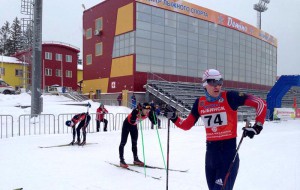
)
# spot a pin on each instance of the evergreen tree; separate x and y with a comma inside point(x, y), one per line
point(4, 38)
point(15, 41)
point(27, 37)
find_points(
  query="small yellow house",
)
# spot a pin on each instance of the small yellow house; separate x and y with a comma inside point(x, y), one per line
point(79, 76)
point(14, 71)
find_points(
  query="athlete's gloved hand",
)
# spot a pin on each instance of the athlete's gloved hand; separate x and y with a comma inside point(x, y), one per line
point(251, 131)
point(170, 113)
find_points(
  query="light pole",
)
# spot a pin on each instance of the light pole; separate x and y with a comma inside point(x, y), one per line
point(260, 7)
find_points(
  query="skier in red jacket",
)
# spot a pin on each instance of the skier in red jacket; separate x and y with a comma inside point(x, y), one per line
point(218, 111)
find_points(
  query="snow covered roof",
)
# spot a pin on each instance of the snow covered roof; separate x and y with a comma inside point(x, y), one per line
point(79, 67)
point(8, 59)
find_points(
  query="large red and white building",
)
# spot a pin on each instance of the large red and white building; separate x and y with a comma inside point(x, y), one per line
point(126, 39)
point(59, 64)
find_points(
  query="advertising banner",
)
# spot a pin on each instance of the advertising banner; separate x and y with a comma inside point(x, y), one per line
point(196, 11)
point(284, 113)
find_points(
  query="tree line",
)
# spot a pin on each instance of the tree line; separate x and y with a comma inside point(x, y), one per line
point(13, 39)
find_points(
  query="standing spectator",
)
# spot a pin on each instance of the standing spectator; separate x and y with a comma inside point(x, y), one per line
point(133, 102)
point(218, 111)
point(83, 119)
point(157, 113)
point(130, 127)
point(152, 104)
point(120, 99)
point(100, 117)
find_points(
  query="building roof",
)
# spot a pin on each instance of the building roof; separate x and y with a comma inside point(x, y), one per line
point(8, 59)
point(79, 67)
point(62, 44)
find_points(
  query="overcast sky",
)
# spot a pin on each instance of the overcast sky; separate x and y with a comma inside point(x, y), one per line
point(62, 21)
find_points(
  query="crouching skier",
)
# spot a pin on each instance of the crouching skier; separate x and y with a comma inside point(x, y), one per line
point(83, 119)
point(130, 126)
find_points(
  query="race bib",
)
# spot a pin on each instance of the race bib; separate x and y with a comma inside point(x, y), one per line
point(214, 119)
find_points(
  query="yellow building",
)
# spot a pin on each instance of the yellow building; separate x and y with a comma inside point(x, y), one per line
point(79, 76)
point(13, 71)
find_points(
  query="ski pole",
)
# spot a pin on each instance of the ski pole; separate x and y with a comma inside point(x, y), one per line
point(161, 150)
point(143, 144)
point(236, 153)
point(168, 145)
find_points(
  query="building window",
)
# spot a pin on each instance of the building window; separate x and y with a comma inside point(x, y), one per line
point(18, 72)
point(99, 24)
point(89, 59)
point(69, 58)
point(58, 73)
point(2, 71)
point(48, 72)
point(98, 49)
point(124, 44)
point(68, 74)
point(58, 57)
point(88, 33)
point(48, 55)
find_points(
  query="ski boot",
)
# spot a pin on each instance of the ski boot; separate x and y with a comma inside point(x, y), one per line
point(78, 142)
point(82, 143)
point(138, 162)
point(123, 164)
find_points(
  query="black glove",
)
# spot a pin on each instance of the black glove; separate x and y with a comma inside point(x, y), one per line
point(251, 131)
point(170, 113)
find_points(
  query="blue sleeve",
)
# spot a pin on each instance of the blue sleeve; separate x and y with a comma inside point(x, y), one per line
point(236, 99)
point(194, 110)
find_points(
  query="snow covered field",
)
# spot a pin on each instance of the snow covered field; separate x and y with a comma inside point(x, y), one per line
point(270, 161)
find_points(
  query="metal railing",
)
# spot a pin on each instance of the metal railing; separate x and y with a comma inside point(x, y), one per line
point(35, 124)
point(6, 126)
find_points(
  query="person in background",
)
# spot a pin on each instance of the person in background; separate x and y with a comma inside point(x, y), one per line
point(152, 104)
point(100, 117)
point(119, 98)
point(218, 111)
point(130, 127)
point(83, 119)
point(133, 102)
point(156, 111)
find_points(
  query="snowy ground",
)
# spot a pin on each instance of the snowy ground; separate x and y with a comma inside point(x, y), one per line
point(270, 161)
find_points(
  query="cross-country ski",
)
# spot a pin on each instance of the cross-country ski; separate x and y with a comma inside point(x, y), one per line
point(160, 168)
point(63, 145)
point(133, 170)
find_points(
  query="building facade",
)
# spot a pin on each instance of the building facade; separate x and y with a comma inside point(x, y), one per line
point(13, 71)
point(126, 40)
point(59, 65)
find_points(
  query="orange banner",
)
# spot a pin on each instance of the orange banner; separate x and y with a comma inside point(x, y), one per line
point(196, 11)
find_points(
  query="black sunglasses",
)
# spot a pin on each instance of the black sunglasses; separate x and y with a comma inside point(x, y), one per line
point(214, 82)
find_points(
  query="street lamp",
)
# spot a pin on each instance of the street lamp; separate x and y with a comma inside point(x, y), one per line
point(260, 7)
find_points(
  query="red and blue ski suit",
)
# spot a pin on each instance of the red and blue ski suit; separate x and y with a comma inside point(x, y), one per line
point(83, 119)
point(220, 121)
point(130, 126)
